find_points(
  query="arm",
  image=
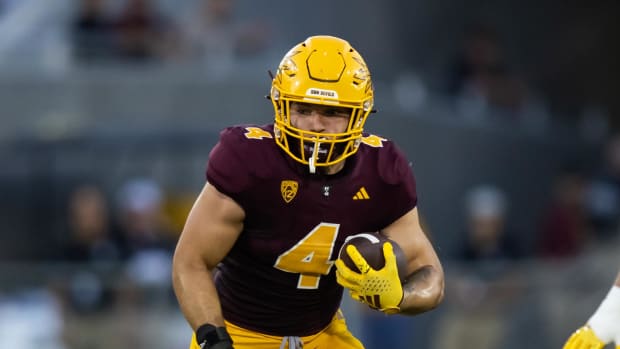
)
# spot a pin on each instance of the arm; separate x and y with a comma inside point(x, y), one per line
point(424, 288)
point(604, 325)
point(211, 229)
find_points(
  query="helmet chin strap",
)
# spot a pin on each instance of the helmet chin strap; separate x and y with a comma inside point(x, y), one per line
point(315, 154)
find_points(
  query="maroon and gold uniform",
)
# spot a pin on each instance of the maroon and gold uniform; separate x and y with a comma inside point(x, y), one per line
point(278, 279)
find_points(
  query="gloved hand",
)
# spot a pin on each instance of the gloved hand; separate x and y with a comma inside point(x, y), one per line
point(380, 289)
point(584, 338)
point(211, 337)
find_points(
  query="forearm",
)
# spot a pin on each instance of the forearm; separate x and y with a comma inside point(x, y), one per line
point(422, 291)
point(197, 296)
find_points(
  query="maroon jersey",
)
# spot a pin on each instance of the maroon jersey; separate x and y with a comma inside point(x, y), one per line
point(279, 278)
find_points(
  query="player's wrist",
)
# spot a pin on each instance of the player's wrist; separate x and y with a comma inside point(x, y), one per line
point(605, 322)
point(209, 336)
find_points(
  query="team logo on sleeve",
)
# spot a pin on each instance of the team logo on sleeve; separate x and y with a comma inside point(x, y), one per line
point(256, 133)
point(374, 141)
point(288, 189)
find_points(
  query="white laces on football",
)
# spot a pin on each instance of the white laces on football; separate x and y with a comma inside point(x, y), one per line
point(294, 342)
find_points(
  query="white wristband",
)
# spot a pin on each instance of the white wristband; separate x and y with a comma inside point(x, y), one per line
point(605, 322)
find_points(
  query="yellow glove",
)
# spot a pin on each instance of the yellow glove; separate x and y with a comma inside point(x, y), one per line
point(584, 338)
point(380, 289)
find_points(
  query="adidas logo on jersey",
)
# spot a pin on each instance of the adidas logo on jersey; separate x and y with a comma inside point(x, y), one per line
point(361, 194)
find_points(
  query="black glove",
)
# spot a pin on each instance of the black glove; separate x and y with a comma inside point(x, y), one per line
point(211, 337)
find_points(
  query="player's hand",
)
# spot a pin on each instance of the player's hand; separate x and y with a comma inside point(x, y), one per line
point(584, 338)
point(380, 289)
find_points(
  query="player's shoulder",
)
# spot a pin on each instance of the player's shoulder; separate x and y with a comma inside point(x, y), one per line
point(242, 154)
point(384, 156)
point(247, 135)
point(247, 141)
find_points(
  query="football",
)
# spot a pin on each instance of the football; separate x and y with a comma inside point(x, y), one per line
point(370, 246)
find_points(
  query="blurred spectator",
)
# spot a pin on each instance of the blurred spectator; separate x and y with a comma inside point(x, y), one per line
point(486, 86)
point(143, 33)
point(141, 217)
point(92, 238)
point(479, 296)
point(478, 58)
point(486, 237)
point(563, 231)
point(92, 32)
point(145, 231)
point(94, 245)
point(603, 199)
point(215, 36)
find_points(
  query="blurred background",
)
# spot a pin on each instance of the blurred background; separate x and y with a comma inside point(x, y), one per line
point(508, 111)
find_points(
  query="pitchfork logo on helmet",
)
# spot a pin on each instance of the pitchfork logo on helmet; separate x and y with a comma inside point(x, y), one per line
point(321, 70)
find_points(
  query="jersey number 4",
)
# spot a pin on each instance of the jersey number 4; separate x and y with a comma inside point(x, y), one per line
point(310, 256)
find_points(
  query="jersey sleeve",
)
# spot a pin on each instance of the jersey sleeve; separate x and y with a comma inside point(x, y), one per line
point(227, 168)
point(397, 172)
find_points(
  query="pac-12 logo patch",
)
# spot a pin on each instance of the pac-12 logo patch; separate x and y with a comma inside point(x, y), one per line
point(288, 189)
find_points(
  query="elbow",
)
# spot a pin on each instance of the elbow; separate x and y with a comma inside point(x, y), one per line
point(178, 264)
point(438, 297)
point(424, 292)
point(439, 290)
point(188, 262)
point(435, 296)
point(186, 269)
point(184, 263)
point(177, 271)
point(439, 287)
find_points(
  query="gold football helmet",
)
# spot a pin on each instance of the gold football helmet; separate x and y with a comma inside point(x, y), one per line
point(321, 70)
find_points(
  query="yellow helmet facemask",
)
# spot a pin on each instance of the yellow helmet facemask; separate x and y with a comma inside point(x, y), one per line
point(321, 70)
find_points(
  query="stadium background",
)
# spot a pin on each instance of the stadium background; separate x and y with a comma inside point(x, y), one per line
point(128, 103)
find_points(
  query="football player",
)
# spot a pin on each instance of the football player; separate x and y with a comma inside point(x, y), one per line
point(603, 326)
point(253, 267)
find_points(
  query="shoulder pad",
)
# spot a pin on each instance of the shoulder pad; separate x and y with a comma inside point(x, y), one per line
point(233, 160)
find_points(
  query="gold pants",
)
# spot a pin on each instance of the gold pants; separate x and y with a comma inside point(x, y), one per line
point(335, 336)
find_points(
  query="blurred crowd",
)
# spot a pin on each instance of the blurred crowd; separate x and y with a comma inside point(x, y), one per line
point(139, 32)
point(135, 233)
point(580, 218)
point(582, 208)
point(486, 85)
point(114, 260)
